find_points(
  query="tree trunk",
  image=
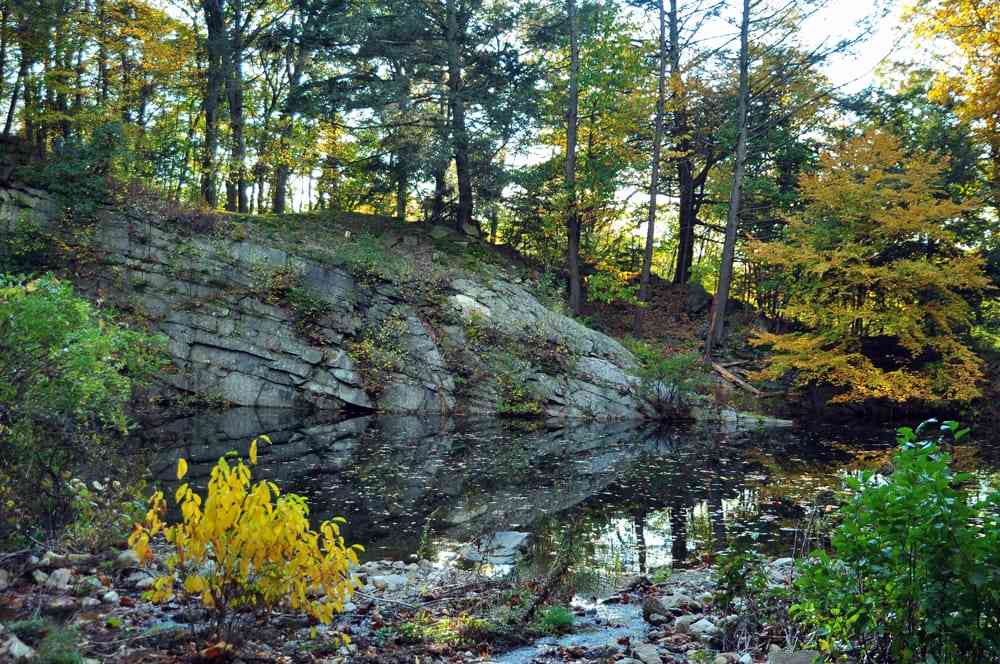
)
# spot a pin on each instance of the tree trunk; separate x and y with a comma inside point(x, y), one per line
point(4, 15)
point(237, 184)
point(216, 46)
point(284, 170)
point(459, 137)
point(682, 142)
point(402, 158)
point(654, 172)
point(12, 108)
point(572, 218)
point(102, 57)
point(716, 328)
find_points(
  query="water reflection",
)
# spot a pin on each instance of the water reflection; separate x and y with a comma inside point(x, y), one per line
point(623, 497)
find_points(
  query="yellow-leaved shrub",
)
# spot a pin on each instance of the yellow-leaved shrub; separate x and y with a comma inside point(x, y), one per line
point(247, 547)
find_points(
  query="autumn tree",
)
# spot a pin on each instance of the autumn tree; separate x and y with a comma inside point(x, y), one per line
point(879, 288)
point(971, 71)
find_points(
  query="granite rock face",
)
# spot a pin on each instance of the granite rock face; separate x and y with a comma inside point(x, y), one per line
point(231, 339)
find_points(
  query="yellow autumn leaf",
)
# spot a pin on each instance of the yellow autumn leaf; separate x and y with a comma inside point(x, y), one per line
point(253, 452)
point(182, 468)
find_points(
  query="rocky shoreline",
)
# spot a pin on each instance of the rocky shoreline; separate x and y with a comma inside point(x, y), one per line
point(100, 598)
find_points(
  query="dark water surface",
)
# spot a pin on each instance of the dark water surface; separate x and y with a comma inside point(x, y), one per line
point(623, 497)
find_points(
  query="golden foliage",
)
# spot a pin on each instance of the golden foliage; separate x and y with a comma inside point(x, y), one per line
point(871, 255)
point(248, 546)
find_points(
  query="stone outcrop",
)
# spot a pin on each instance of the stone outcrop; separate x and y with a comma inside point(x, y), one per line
point(378, 339)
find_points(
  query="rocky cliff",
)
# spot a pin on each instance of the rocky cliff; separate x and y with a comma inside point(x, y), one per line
point(338, 311)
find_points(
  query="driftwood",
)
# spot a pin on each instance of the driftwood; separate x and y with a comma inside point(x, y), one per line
point(736, 380)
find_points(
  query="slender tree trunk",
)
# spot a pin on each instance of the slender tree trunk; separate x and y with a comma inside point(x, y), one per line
point(716, 328)
point(654, 172)
point(12, 108)
point(682, 140)
point(215, 25)
point(4, 16)
point(402, 158)
point(102, 56)
point(237, 184)
point(572, 218)
point(440, 185)
point(283, 171)
point(459, 136)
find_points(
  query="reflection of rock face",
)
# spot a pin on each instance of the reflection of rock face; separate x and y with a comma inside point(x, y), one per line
point(464, 479)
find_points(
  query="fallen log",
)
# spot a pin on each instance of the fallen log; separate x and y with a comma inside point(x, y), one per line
point(735, 380)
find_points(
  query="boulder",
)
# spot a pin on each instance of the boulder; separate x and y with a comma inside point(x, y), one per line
point(697, 299)
point(389, 582)
point(704, 630)
point(501, 548)
point(110, 597)
point(18, 650)
point(59, 579)
point(647, 653)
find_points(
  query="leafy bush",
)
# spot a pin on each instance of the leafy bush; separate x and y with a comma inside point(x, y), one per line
point(24, 245)
point(668, 379)
point(103, 513)
point(914, 574)
point(66, 375)
point(557, 619)
point(613, 288)
point(78, 173)
point(456, 631)
point(247, 548)
point(380, 352)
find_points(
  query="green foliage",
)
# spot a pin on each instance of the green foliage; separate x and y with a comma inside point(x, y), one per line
point(78, 174)
point(380, 352)
point(557, 619)
point(914, 571)
point(456, 631)
point(668, 379)
point(366, 258)
point(551, 292)
point(24, 245)
point(284, 286)
point(66, 375)
point(612, 288)
point(515, 398)
point(103, 513)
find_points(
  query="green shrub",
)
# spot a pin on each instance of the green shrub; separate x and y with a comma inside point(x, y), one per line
point(914, 570)
point(613, 288)
point(557, 619)
point(66, 375)
point(668, 380)
point(79, 172)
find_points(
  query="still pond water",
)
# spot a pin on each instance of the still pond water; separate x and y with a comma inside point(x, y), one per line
point(626, 498)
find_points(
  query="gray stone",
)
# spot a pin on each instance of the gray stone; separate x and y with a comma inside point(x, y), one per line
point(683, 624)
point(798, 657)
point(389, 582)
point(704, 630)
point(697, 299)
point(18, 650)
point(470, 230)
point(59, 607)
point(59, 579)
point(110, 597)
point(39, 577)
point(127, 558)
point(4, 580)
point(89, 603)
point(439, 232)
point(647, 653)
